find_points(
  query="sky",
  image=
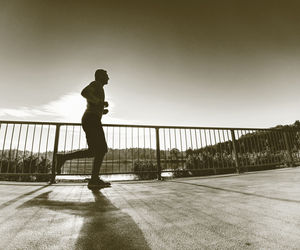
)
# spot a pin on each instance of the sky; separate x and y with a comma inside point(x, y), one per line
point(174, 63)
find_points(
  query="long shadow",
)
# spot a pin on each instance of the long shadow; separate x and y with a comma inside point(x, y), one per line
point(105, 226)
point(237, 191)
point(8, 203)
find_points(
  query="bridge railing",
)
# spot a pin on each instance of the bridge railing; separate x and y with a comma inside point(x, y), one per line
point(27, 149)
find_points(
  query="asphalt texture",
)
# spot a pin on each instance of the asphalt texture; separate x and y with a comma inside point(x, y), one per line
point(258, 210)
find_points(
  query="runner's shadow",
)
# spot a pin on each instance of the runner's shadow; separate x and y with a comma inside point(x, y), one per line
point(104, 227)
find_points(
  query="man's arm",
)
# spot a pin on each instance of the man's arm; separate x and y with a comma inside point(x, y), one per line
point(90, 94)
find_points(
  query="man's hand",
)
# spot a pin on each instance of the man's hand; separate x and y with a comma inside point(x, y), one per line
point(105, 111)
point(105, 104)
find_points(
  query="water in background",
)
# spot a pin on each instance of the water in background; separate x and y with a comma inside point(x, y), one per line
point(112, 177)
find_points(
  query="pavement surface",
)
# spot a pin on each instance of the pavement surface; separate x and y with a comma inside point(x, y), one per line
point(258, 210)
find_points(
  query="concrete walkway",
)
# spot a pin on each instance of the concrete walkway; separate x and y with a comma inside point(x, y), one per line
point(258, 210)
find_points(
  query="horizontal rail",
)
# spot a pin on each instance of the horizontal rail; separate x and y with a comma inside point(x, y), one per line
point(142, 126)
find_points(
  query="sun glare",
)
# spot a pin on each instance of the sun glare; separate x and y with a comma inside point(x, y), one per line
point(68, 108)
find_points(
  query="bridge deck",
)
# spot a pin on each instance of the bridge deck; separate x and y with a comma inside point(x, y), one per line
point(259, 210)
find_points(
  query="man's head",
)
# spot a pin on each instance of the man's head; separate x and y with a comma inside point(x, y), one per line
point(101, 76)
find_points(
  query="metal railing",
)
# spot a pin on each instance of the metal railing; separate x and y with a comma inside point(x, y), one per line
point(27, 149)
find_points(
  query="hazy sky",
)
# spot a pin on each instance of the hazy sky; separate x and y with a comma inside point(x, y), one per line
point(194, 63)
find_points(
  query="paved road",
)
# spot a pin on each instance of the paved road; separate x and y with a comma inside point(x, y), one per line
point(259, 210)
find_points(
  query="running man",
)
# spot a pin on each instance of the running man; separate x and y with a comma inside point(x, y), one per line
point(92, 126)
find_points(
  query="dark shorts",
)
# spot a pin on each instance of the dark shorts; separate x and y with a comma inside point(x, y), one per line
point(91, 124)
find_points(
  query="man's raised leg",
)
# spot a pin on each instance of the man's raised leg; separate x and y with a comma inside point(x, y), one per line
point(62, 158)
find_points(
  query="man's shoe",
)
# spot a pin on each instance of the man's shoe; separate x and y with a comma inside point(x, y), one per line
point(98, 184)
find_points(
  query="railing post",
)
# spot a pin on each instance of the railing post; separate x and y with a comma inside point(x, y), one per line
point(158, 154)
point(53, 171)
point(288, 149)
point(235, 155)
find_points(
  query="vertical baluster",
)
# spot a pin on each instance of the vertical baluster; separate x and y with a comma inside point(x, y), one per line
point(196, 138)
point(191, 137)
point(65, 138)
point(234, 151)
point(181, 148)
point(239, 147)
point(186, 145)
point(271, 143)
point(279, 145)
point(46, 153)
point(213, 153)
point(40, 141)
point(24, 153)
point(225, 150)
point(216, 146)
point(138, 144)
point(113, 149)
point(221, 149)
point(257, 144)
point(39, 149)
point(132, 154)
point(17, 152)
point(197, 149)
point(150, 150)
point(166, 165)
point(248, 148)
point(119, 149)
point(206, 149)
point(106, 156)
point(170, 149)
point(31, 156)
point(79, 147)
point(126, 169)
point(4, 140)
point(85, 159)
point(72, 141)
point(199, 146)
point(230, 149)
point(244, 150)
point(144, 144)
point(10, 147)
point(158, 154)
point(65, 144)
point(287, 139)
point(56, 141)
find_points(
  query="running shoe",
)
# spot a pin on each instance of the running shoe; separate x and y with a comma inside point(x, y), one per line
point(98, 184)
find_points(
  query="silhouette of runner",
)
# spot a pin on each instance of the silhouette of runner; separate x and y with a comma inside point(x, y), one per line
point(92, 126)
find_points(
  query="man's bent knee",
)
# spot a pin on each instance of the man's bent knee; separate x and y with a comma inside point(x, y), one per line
point(97, 152)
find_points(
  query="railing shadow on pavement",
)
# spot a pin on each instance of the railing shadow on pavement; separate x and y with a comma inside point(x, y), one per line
point(237, 191)
point(8, 203)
